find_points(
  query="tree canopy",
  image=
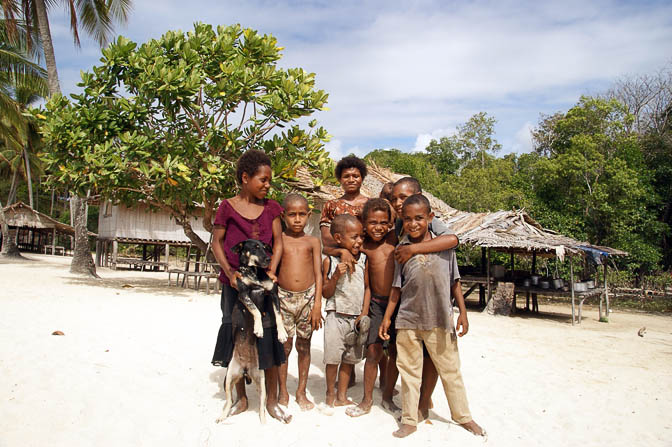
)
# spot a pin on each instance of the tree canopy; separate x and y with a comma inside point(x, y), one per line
point(164, 122)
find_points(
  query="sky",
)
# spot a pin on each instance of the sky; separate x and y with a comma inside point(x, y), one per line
point(401, 73)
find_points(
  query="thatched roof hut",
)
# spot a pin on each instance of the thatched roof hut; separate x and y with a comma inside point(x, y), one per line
point(502, 230)
point(20, 215)
point(35, 230)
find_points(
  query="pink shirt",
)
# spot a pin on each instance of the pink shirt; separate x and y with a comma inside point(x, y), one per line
point(239, 228)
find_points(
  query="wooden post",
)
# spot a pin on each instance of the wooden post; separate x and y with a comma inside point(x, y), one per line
point(53, 242)
point(98, 244)
point(534, 261)
point(512, 264)
point(481, 288)
point(571, 284)
point(488, 277)
point(115, 250)
point(167, 255)
point(606, 290)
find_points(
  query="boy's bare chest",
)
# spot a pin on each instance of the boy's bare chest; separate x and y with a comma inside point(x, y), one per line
point(297, 249)
point(381, 258)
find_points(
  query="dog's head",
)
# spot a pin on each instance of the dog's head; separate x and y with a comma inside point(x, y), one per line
point(253, 253)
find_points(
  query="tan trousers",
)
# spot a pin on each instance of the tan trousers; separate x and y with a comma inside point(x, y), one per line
point(443, 351)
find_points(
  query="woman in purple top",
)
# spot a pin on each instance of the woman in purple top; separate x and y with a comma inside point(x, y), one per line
point(249, 215)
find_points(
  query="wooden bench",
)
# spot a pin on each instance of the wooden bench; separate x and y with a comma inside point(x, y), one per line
point(51, 249)
point(137, 263)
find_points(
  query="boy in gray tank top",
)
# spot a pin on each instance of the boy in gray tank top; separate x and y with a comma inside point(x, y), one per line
point(347, 297)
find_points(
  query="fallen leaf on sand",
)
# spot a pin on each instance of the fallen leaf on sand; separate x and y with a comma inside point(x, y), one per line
point(641, 331)
point(57, 333)
point(127, 286)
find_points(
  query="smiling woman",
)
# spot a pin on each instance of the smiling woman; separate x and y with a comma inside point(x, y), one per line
point(350, 172)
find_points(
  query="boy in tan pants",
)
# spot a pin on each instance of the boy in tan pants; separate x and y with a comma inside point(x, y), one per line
point(426, 283)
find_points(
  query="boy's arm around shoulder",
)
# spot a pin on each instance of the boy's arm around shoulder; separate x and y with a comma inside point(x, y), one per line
point(316, 312)
point(439, 243)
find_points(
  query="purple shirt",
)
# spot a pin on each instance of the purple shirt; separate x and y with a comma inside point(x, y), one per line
point(239, 228)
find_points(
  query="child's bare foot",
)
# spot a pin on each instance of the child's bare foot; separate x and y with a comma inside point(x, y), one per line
point(404, 431)
point(474, 428)
point(343, 402)
point(239, 406)
point(304, 403)
point(390, 406)
point(276, 412)
point(283, 398)
point(360, 410)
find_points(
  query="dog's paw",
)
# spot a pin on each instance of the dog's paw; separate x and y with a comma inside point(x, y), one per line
point(258, 329)
point(220, 419)
point(282, 336)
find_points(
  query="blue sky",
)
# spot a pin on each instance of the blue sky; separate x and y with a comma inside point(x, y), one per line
point(400, 73)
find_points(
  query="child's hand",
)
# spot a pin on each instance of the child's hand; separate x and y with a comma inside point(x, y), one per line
point(382, 330)
point(316, 318)
point(341, 269)
point(272, 275)
point(403, 253)
point(359, 317)
point(462, 325)
point(348, 260)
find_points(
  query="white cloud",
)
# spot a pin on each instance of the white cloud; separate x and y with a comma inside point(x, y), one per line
point(523, 141)
point(423, 139)
point(337, 150)
point(409, 68)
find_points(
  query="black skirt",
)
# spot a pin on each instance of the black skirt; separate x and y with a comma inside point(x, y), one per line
point(270, 350)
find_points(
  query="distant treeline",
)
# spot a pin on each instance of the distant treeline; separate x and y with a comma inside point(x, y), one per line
point(600, 172)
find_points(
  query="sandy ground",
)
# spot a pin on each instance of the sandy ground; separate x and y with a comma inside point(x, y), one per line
point(133, 368)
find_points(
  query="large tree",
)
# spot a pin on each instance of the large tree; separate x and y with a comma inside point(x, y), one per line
point(96, 17)
point(164, 122)
point(595, 181)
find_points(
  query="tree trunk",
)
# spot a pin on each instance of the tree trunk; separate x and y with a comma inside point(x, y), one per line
point(9, 248)
point(12, 189)
point(47, 46)
point(196, 239)
point(29, 177)
point(82, 262)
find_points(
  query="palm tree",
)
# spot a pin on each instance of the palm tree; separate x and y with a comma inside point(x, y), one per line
point(21, 83)
point(96, 18)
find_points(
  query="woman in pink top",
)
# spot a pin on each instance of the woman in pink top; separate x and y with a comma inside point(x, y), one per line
point(249, 215)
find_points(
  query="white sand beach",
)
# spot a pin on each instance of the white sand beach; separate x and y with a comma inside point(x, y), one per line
point(133, 369)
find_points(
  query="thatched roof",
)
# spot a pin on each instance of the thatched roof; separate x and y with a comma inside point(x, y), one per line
point(22, 215)
point(504, 230)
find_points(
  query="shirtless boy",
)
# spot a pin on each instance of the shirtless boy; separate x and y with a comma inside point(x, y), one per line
point(300, 291)
point(379, 248)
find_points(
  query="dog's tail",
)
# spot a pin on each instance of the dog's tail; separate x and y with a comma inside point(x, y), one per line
point(247, 377)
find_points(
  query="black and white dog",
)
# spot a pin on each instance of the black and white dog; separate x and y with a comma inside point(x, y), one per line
point(254, 288)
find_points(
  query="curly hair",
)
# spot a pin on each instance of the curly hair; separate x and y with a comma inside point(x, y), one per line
point(250, 162)
point(351, 161)
point(417, 199)
point(410, 181)
point(376, 204)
